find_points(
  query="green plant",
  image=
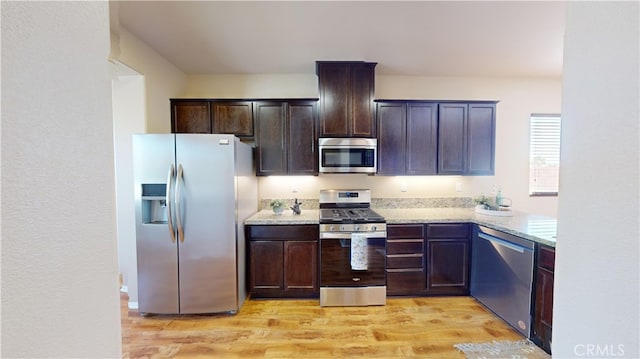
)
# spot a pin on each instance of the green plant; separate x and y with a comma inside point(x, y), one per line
point(276, 203)
point(482, 200)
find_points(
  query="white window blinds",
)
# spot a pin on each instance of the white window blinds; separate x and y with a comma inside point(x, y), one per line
point(544, 151)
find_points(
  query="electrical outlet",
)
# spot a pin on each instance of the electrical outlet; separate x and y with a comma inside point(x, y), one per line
point(494, 189)
point(403, 187)
point(294, 189)
point(458, 186)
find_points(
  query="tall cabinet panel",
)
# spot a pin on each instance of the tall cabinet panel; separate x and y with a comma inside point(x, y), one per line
point(422, 138)
point(481, 139)
point(301, 149)
point(362, 95)
point(335, 96)
point(286, 141)
point(346, 98)
point(452, 138)
point(391, 137)
point(271, 146)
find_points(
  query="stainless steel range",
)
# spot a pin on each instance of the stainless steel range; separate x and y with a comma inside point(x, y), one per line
point(352, 250)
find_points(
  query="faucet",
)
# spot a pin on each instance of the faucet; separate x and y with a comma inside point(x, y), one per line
point(296, 207)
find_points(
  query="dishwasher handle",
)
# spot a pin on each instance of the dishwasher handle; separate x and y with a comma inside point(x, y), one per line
point(503, 243)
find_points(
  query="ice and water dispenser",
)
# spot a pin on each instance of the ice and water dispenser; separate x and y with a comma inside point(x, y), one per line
point(154, 203)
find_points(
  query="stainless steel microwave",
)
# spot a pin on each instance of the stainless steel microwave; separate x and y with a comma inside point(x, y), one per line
point(348, 155)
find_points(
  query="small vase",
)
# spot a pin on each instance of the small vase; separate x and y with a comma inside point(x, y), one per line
point(278, 210)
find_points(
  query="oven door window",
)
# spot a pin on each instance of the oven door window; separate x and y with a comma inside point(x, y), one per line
point(348, 157)
point(335, 264)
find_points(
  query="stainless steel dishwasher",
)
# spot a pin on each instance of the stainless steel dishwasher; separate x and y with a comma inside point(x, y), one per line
point(502, 275)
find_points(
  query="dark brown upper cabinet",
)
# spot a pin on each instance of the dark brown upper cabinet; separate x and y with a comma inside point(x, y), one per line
point(466, 138)
point(213, 116)
point(346, 98)
point(481, 129)
point(407, 137)
point(286, 141)
point(190, 116)
point(233, 117)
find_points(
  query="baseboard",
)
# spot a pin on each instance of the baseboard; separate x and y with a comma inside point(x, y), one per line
point(130, 304)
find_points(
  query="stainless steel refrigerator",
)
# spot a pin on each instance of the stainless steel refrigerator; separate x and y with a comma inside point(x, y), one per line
point(193, 193)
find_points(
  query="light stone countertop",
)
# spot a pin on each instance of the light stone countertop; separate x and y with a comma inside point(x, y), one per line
point(537, 228)
point(266, 216)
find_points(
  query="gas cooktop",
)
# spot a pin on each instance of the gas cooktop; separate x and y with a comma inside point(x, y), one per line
point(347, 206)
point(349, 215)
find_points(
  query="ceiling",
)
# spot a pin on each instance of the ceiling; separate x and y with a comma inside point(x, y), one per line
point(414, 38)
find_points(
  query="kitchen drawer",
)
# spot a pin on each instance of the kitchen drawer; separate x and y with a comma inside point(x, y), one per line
point(405, 281)
point(405, 231)
point(449, 230)
point(283, 232)
point(547, 258)
point(405, 246)
point(400, 261)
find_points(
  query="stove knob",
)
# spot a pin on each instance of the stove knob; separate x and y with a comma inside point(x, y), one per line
point(373, 228)
point(356, 227)
point(342, 228)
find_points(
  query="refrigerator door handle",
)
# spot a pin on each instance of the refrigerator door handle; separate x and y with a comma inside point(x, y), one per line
point(178, 213)
point(169, 206)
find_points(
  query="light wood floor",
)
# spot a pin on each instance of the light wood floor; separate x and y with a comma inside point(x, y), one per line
point(404, 328)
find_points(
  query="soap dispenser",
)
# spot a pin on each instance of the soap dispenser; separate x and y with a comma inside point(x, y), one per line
point(499, 197)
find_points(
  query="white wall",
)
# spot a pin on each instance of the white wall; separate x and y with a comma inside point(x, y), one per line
point(59, 265)
point(162, 79)
point(519, 97)
point(252, 86)
point(596, 309)
point(128, 118)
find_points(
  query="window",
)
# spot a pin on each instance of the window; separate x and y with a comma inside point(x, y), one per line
point(544, 152)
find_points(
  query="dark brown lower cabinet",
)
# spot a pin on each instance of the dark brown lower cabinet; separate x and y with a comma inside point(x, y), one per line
point(448, 259)
point(405, 259)
point(543, 316)
point(431, 259)
point(283, 261)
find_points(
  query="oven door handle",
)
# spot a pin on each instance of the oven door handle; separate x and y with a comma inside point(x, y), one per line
point(347, 235)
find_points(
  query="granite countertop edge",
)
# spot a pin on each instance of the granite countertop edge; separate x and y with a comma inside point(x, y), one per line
point(520, 224)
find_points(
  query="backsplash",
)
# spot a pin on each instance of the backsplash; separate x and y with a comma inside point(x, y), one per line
point(307, 203)
point(438, 202)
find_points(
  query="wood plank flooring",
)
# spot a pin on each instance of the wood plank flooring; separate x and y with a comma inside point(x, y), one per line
point(404, 328)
